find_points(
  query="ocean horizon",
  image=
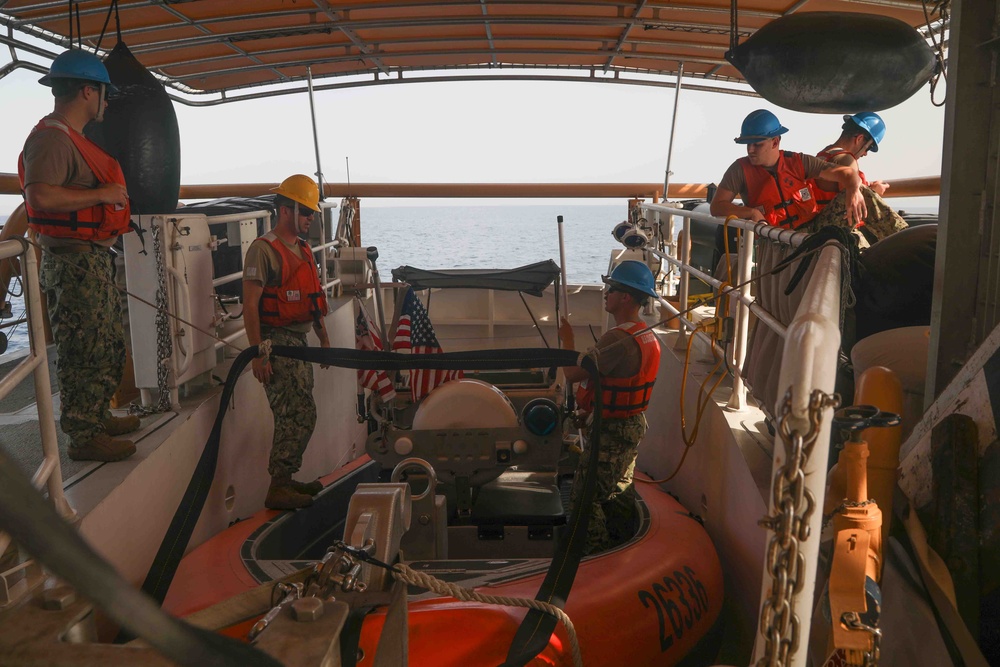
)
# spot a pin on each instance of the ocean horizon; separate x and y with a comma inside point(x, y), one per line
point(472, 237)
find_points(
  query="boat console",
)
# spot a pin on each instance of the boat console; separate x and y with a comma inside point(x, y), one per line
point(494, 460)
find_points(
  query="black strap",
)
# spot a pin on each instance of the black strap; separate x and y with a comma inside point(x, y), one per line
point(266, 298)
point(62, 550)
point(73, 223)
point(535, 630)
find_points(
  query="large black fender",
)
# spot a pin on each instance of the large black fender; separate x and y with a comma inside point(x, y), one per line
point(835, 62)
point(140, 131)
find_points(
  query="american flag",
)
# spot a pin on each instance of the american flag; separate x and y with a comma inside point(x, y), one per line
point(366, 338)
point(415, 334)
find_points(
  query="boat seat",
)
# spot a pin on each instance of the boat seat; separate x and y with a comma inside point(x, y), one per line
point(517, 499)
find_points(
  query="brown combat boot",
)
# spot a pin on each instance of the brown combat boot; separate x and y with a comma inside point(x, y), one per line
point(102, 448)
point(310, 488)
point(121, 425)
point(281, 495)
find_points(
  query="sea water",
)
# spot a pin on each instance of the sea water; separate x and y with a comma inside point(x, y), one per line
point(468, 237)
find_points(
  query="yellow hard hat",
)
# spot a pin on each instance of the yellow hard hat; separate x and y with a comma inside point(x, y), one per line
point(301, 189)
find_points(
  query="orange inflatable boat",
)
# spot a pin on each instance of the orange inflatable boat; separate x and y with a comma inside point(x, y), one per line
point(650, 601)
point(487, 510)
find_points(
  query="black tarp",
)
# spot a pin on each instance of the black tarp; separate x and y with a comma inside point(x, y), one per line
point(531, 279)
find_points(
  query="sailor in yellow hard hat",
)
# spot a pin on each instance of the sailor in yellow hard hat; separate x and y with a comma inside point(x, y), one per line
point(282, 301)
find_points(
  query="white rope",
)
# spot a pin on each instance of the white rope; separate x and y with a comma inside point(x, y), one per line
point(423, 580)
point(264, 350)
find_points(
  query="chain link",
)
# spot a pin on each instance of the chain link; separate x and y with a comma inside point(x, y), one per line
point(852, 621)
point(793, 505)
point(164, 346)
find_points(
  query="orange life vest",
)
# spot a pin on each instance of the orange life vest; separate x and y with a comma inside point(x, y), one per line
point(624, 397)
point(824, 197)
point(299, 297)
point(784, 196)
point(95, 223)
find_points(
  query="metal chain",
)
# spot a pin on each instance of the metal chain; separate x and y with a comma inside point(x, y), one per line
point(164, 347)
point(793, 507)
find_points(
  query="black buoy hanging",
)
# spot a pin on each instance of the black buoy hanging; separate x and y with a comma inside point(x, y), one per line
point(835, 62)
point(140, 130)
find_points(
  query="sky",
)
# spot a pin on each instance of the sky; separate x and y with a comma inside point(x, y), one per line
point(490, 132)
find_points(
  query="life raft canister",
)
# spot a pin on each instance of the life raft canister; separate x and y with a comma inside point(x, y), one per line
point(835, 62)
point(624, 397)
point(824, 197)
point(299, 297)
point(94, 223)
point(785, 195)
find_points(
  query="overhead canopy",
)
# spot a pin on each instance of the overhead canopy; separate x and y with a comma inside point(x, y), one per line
point(218, 46)
point(530, 279)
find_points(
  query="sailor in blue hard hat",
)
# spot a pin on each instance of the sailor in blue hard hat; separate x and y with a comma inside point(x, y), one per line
point(774, 185)
point(860, 134)
point(75, 69)
point(628, 358)
point(758, 125)
point(77, 201)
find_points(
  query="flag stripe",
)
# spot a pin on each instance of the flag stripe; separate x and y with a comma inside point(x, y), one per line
point(415, 334)
point(367, 339)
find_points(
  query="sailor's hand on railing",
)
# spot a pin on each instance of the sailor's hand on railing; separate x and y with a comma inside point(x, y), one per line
point(879, 187)
point(261, 369)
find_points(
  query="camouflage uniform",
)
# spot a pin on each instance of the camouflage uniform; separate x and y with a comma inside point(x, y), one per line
point(880, 222)
point(614, 502)
point(290, 395)
point(85, 312)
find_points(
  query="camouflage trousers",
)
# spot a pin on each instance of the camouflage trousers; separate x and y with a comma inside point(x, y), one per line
point(290, 394)
point(86, 315)
point(880, 222)
point(614, 504)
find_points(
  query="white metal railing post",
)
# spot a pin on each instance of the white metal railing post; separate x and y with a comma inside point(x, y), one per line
point(49, 472)
point(43, 387)
point(738, 399)
point(684, 277)
point(322, 240)
point(671, 246)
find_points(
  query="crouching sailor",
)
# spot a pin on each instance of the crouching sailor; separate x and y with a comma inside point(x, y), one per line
point(76, 201)
point(628, 358)
point(775, 185)
point(282, 299)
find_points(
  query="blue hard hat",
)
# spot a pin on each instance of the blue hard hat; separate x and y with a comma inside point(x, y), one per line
point(759, 125)
point(872, 123)
point(633, 274)
point(77, 64)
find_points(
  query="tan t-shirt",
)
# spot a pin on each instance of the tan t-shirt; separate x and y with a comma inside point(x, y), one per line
point(263, 265)
point(735, 180)
point(616, 359)
point(51, 158)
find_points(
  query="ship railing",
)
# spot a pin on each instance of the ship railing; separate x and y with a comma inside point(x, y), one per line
point(808, 363)
point(49, 473)
point(678, 256)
